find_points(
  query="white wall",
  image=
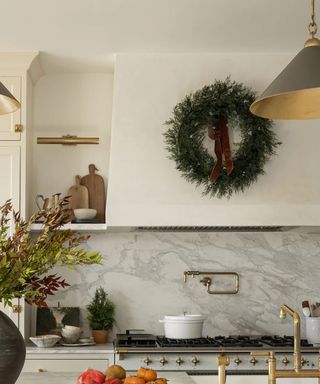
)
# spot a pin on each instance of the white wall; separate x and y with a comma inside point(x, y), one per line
point(75, 104)
point(146, 189)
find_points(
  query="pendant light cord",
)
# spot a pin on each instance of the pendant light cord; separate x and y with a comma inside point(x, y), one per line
point(313, 25)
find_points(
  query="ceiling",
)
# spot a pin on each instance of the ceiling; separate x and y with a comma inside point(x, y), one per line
point(83, 34)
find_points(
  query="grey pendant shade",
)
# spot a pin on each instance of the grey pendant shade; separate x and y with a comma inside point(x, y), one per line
point(295, 93)
point(8, 103)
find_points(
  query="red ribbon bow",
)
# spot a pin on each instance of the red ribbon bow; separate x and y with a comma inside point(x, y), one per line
point(220, 136)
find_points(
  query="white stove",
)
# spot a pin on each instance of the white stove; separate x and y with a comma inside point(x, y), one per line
point(197, 357)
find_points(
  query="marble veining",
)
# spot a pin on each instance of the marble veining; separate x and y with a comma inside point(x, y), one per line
point(143, 272)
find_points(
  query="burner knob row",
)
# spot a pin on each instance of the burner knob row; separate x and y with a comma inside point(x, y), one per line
point(195, 361)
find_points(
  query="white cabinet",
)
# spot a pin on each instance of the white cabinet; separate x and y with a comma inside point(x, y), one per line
point(18, 76)
point(10, 121)
point(20, 314)
point(10, 174)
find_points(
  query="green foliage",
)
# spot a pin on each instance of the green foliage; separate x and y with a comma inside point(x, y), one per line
point(26, 258)
point(101, 311)
point(189, 123)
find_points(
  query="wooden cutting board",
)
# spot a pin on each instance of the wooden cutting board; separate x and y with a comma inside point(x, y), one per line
point(97, 194)
point(79, 195)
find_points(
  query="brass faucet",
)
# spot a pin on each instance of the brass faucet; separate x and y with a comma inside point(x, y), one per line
point(296, 372)
point(284, 310)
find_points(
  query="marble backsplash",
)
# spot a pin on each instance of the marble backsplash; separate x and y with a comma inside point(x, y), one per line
point(143, 273)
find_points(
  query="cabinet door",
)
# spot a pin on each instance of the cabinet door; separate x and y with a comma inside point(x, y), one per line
point(10, 175)
point(9, 121)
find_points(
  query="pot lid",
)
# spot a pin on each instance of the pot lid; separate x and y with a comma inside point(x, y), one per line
point(184, 317)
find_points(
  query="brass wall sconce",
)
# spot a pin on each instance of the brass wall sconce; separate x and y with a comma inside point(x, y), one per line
point(68, 140)
point(208, 282)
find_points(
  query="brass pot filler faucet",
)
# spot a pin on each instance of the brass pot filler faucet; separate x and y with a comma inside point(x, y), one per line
point(273, 372)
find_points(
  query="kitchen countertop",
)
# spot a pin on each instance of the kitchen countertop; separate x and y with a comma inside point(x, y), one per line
point(70, 378)
point(98, 348)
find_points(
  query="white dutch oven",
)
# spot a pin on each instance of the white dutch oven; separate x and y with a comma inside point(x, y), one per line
point(183, 326)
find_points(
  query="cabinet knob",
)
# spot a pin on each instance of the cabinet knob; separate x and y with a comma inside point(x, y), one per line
point(179, 361)
point(195, 360)
point(237, 361)
point(40, 370)
point(16, 308)
point(163, 361)
point(253, 361)
point(285, 361)
point(147, 361)
point(18, 128)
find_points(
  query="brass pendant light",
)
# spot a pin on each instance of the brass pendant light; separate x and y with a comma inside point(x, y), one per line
point(295, 93)
point(8, 103)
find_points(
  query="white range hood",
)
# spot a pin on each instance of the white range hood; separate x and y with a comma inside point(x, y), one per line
point(145, 189)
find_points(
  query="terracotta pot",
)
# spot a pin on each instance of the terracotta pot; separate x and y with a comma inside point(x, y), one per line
point(100, 337)
point(12, 350)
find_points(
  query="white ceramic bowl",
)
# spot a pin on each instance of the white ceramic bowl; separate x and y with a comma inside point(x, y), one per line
point(45, 341)
point(85, 213)
point(70, 333)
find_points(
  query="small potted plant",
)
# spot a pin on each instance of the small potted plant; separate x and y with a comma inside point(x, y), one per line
point(101, 315)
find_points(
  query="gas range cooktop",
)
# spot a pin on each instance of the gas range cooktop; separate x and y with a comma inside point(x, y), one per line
point(141, 341)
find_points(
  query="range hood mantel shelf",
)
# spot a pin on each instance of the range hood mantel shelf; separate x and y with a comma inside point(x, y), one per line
point(214, 229)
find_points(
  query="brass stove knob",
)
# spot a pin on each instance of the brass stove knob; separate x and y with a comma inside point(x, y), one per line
point(163, 361)
point(147, 361)
point(285, 361)
point(237, 360)
point(253, 361)
point(195, 361)
point(179, 361)
point(304, 362)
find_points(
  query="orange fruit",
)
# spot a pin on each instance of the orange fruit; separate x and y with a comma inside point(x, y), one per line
point(134, 380)
point(158, 381)
point(149, 374)
point(140, 372)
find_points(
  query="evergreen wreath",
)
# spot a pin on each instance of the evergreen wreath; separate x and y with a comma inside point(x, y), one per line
point(211, 108)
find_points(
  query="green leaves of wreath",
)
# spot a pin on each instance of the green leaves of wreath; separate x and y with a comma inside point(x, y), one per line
point(188, 127)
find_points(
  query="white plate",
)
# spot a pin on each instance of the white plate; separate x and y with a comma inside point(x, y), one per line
point(78, 344)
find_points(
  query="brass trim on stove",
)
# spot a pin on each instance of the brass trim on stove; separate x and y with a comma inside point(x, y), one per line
point(222, 361)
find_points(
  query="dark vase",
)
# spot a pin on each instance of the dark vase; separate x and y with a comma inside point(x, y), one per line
point(12, 350)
